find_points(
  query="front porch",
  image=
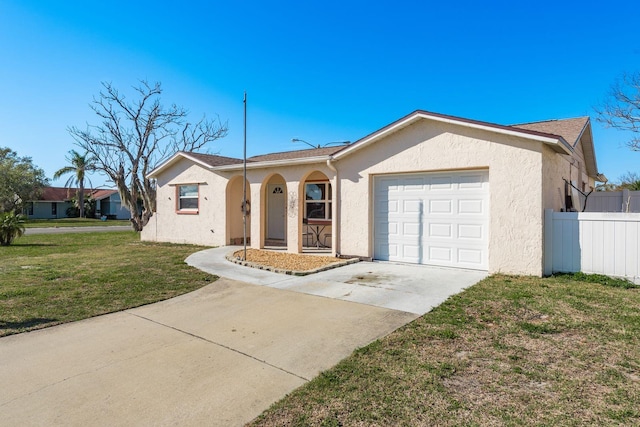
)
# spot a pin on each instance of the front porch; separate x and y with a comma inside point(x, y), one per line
point(289, 213)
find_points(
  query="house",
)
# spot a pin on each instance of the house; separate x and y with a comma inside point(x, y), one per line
point(54, 202)
point(428, 189)
point(108, 204)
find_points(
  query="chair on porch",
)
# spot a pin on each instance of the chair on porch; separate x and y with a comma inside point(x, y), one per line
point(307, 235)
point(327, 236)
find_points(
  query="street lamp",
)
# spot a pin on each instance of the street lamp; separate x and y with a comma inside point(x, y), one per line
point(321, 145)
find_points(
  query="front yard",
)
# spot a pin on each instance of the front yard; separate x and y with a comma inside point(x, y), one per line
point(50, 279)
point(509, 351)
point(563, 350)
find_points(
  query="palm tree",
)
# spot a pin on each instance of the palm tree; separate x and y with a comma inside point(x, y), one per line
point(79, 165)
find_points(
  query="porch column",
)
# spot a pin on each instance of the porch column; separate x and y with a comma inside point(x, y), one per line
point(335, 209)
point(295, 204)
point(257, 211)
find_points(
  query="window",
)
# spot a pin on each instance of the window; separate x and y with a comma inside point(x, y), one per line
point(317, 200)
point(29, 209)
point(188, 198)
point(54, 209)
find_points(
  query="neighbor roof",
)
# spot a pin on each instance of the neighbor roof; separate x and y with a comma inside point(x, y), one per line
point(62, 194)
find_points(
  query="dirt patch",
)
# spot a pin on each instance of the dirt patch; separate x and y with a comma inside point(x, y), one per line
point(284, 261)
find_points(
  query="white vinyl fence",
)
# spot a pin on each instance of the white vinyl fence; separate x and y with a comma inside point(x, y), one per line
point(613, 201)
point(602, 243)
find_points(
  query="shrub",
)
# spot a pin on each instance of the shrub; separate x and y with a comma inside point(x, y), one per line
point(11, 226)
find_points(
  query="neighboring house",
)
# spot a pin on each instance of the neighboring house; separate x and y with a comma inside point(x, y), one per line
point(108, 204)
point(54, 202)
point(427, 189)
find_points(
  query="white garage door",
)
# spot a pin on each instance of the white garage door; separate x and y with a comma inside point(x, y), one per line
point(433, 218)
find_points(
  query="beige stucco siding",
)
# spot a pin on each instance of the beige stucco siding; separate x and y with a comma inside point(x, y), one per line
point(558, 167)
point(207, 227)
point(515, 168)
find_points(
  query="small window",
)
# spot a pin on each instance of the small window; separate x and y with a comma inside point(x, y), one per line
point(188, 198)
point(318, 200)
point(29, 209)
point(54, 209)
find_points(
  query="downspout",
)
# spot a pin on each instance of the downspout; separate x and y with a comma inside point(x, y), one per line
point(335, 210)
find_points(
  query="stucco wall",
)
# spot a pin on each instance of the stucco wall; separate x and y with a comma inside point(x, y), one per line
point(208, 227)
point(556, 168)
point(515, 168)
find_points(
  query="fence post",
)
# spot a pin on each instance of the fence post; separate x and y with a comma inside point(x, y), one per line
point(548, 243)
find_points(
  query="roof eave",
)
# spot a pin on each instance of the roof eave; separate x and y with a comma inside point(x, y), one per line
point(589, 149)
point(173, 159)
point(557, 143)
point(274, 163)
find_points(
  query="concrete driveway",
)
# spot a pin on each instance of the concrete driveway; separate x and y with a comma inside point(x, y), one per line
point(216, 356)
point(406, 287)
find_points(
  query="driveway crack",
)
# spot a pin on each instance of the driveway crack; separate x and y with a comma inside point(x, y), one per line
point(219, 345)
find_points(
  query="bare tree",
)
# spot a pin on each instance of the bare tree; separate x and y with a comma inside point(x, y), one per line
point(621, 109)
point(136, 136)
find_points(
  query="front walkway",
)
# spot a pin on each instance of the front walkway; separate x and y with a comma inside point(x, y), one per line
point(405, 287)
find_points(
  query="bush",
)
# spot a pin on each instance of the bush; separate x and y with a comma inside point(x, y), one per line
point(11, 226)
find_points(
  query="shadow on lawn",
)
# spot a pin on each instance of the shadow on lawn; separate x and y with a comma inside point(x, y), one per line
point(27, 245)
point(7, 328)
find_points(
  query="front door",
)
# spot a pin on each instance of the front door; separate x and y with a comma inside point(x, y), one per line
point(276, 205)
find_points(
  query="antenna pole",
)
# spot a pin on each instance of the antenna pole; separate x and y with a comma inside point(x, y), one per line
point(244, 180)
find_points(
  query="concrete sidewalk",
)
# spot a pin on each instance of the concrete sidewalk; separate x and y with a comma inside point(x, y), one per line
point(218, 356)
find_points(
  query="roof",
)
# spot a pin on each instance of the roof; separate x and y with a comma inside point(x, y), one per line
point(62, 194)
point(214, 160)
point(561, 135)
point(570, 129)
point(557, 142)
point(297, 154)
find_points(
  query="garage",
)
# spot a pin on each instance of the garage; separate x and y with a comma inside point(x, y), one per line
point(433, 218)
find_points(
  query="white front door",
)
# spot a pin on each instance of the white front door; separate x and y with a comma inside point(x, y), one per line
point(433, 218)
point(276, 204)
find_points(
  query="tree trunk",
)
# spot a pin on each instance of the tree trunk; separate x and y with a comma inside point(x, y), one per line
point(81, 199)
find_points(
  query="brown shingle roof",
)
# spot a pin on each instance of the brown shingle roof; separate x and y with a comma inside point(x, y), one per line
point(214, 160)
point(60, 194)
point(100, 194)
point(569, 129)
point(297, 154)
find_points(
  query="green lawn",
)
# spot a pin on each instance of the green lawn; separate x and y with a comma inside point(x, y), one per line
point(514, 351)
point(73, 222)
point(50, 279)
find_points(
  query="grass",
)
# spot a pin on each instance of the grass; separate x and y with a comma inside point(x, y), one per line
point(73, 222)
point(515, 351)
point(51, 279)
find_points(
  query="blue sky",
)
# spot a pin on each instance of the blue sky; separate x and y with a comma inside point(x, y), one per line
point(319, 71)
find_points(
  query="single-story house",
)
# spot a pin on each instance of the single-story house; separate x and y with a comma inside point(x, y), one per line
point(108, 204)
point(54, 202)
point(428, 189)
